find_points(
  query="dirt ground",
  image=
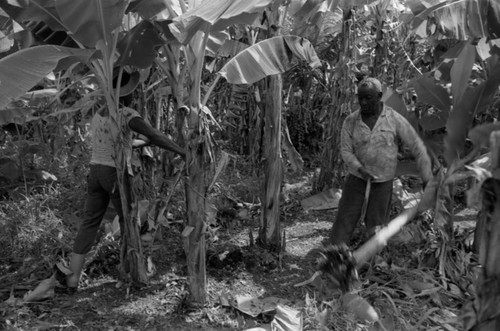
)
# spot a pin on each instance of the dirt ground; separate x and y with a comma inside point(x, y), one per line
point(406, 293)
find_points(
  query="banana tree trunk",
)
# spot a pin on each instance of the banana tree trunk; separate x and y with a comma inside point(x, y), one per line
point(131, 253)
point(199, 157)
point(194, 234)
point(488, 281)
point(270, 229)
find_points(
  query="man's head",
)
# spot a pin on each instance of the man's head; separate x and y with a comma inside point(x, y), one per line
point(128, 83)
point(369, 95)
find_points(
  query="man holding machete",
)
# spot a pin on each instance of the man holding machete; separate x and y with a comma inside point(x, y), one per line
point(369, 146)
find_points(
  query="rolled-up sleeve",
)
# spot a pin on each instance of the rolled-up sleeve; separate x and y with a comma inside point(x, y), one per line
point(411, 140)
point(346, 146)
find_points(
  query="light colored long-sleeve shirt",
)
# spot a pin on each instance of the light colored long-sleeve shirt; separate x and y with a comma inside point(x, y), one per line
point(377, 149)
point(104, 132)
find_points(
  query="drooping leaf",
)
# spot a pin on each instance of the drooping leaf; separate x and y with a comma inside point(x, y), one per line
point(451, 21)
point(269, 57)
point(218, 14)
point(216, 40)
point(431, 93)
point(22, 70)
point(138, 47)
point(460, 72)
point(475, 101)
point(91, 20)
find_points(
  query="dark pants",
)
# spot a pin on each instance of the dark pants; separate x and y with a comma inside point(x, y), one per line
point(102, 188)
point(351, 203)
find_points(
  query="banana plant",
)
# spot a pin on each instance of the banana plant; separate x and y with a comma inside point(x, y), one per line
point(95, 30)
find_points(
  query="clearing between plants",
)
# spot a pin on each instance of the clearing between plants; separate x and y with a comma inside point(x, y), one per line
point(248, 287)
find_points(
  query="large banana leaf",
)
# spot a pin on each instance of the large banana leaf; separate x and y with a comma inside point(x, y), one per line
point(22, 70)
point(430, 93)
point(460, 72)
point(139, 46)
point(218, 14)
point(475, 101)
point(91, 20)
point(269, 57)
point(454, 19)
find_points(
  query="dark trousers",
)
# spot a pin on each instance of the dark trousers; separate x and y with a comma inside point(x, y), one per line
point(102, 188)
point(351, 203)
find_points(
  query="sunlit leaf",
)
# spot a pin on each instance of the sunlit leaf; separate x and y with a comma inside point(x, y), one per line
point(431, 93)
point(22, 70)
point(91, 20)
point(217, 14)
point(138, 47)
point(460, 72)
point(269, 57)
point(44, 290)
point(287, 319)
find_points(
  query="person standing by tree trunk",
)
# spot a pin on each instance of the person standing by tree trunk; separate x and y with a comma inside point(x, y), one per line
point(369, 146)
point(102, 179)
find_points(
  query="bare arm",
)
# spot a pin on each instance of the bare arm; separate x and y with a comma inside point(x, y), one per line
point(157, 138)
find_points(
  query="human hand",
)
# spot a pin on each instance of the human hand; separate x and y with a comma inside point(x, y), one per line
point(365, 173)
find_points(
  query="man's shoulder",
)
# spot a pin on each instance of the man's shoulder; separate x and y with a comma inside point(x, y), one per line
point(394, 114)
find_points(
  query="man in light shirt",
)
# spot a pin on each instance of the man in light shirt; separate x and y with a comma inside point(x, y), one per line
point(369, 146)
point(102, 179)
